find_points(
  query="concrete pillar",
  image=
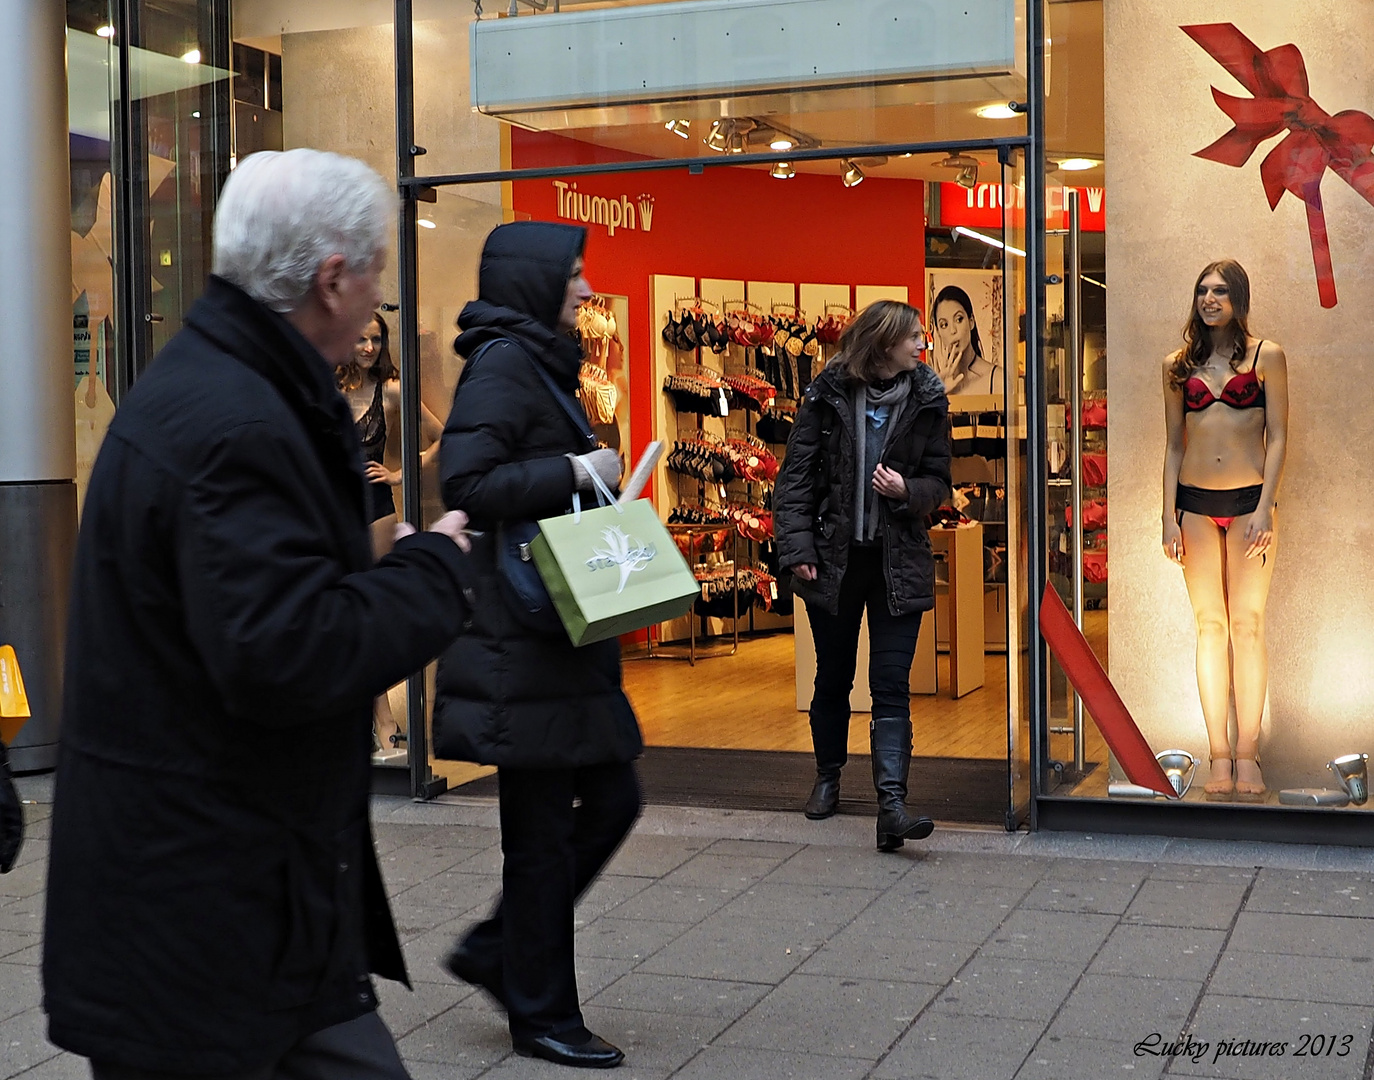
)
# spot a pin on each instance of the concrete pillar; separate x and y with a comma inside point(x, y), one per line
point(37, 386)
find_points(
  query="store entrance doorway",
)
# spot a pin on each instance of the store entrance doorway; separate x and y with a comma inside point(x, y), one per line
point(723, 293)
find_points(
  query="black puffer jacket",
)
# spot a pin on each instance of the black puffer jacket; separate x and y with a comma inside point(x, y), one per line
point(813, 502)
point(508, 696)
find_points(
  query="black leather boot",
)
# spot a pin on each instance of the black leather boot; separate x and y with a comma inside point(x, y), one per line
point(890, 740)
point(825, 796)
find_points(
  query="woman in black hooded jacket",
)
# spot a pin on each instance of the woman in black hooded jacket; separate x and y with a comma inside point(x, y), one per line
point(551, 717)
point(867, 461)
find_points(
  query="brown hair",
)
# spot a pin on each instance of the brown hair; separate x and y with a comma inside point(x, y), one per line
point(866, 341)
point(1197, 338)
point(383, 369)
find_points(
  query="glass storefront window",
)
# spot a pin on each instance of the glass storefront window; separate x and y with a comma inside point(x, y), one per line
point(666, 155)
point(1242, 654)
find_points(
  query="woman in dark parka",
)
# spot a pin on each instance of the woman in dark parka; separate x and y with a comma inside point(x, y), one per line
point(552, 717)
point(867, 461)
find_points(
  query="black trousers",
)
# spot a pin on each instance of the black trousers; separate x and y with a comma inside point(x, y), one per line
point(891, 649)
point(360, 1049)
point(558, 829)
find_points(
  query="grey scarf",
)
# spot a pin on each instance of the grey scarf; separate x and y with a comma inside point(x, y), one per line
point(870, 443)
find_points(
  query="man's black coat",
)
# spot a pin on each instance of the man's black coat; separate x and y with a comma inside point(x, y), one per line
point(213, 893)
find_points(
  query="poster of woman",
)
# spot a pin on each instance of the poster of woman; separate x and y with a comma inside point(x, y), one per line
point(964, 313)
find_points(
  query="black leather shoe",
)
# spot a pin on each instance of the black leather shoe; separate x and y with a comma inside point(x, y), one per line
point(595, 1053)
point(462, 965)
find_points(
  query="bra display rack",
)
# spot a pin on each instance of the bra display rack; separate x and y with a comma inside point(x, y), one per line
point(978, 438)
point(1094, 423)
point(724, 384)
point(698, 464)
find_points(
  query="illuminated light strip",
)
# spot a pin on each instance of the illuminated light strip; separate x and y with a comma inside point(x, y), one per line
point(1100, 698)
point(1094, 281)
point(989, 240)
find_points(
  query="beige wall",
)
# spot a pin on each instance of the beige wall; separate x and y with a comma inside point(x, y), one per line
point(338, 93)
point(1170, 213)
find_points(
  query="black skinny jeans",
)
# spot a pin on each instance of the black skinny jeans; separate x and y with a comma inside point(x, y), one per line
point(553, 850)
point(891, 649)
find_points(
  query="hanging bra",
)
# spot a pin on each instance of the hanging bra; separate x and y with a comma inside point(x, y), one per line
point(1242, 391)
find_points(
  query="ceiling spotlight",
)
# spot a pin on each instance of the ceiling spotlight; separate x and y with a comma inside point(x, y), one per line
point(718, 137)
point(853, 175)
point(783, 171)
point(681, 128)
point(191, 56)
point(967, 177)
point(106, 31)
point(781, 142)
point(735, 143)
point(996, 112)
point(956, 161)
point(425, 223)
point(1078, 164)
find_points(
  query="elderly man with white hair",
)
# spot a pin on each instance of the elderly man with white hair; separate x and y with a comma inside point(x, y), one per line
point(214, 901)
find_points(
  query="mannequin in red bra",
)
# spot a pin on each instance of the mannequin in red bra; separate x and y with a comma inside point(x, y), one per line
point(1226, 415)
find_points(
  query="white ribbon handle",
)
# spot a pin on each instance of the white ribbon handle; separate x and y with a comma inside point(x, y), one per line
point(604, 495)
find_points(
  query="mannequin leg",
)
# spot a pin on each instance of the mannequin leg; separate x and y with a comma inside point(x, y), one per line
point(383, 723)
point(1204, 572)
point(383, 535)
point(1247, 591)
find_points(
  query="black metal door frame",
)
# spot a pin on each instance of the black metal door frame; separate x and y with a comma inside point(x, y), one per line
point(414, 189)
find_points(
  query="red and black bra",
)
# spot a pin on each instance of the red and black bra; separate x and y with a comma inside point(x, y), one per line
point(1242, 391)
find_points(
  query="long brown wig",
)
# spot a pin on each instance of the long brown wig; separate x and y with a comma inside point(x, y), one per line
point(350, 376)
point(1197, 337)
point(874, 332)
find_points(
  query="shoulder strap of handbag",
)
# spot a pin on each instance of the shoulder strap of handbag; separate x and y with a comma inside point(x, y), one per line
point(573, 410)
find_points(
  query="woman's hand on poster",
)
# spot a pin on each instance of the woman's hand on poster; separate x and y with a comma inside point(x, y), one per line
point(377, 473)
point(945, 360)
point(1259, 533)
point(1173, 541)
point(889, 482)
point(805, 571)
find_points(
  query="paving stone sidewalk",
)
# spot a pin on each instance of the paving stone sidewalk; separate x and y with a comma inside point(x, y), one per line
point(759, 946)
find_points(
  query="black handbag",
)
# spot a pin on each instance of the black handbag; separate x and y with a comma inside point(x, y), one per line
point(521, 585)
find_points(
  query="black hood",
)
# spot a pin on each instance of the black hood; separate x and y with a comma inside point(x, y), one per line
point(521, 284)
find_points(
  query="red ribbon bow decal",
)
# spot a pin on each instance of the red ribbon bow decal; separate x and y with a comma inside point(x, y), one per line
point(1316, 141)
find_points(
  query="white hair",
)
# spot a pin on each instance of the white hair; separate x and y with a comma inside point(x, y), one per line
point(282, 213)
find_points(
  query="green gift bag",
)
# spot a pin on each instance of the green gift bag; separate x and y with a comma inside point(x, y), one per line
point(612, 570)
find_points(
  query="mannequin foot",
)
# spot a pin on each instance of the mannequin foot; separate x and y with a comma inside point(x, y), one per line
point(1249, 779)
point(1221, 785)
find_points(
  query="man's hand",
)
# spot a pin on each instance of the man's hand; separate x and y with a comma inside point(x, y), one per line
point(454, 525)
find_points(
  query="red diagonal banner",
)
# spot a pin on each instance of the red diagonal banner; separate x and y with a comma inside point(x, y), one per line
point(1315, 140)
point(1099, 696)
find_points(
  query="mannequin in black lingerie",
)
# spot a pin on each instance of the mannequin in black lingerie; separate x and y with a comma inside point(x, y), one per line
point(372, 385)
